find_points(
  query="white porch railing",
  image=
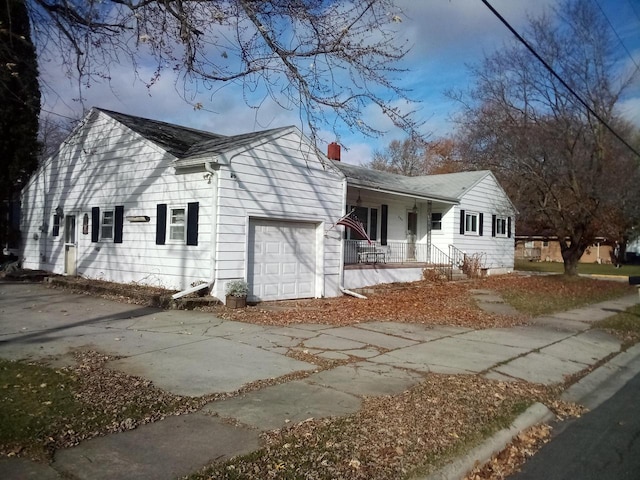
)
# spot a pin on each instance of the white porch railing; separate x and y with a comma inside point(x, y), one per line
point(404, 253)
point(355, 251)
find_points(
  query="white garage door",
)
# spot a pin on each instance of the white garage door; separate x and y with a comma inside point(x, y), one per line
point(282, 260)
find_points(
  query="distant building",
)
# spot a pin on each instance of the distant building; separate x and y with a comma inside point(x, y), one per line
point(547, 249)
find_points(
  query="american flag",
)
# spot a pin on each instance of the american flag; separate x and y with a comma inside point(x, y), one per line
point(352, 222)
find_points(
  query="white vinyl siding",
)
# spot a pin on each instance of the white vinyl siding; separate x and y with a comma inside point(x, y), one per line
point(106, 164)
point(487, 198)
point(278, 181)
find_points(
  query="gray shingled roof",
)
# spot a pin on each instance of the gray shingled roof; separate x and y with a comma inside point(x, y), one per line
point(448, 187)
point(191, 144)
point(174, 139)
point(184, 142)
point(224, 144)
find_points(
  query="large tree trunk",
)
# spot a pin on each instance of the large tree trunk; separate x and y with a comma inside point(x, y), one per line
point(571, 254)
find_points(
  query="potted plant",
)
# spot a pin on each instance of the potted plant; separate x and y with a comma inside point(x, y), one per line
point(236, 293)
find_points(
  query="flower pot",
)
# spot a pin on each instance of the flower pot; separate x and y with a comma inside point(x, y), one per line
point(236, 302)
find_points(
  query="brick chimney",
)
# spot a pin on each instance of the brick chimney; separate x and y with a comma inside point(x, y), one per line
point(333, 151)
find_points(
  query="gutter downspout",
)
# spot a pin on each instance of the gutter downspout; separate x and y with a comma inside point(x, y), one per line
point(208, 166)
point(353, 294)
point(175, 296)
point(342, 289)
point(214, 235)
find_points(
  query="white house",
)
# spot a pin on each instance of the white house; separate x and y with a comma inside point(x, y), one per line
point(427, 220)
point(128, 199)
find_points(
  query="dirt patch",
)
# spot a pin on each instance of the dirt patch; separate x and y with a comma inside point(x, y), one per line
point(424, 302)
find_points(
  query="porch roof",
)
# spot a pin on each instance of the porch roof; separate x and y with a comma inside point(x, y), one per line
point(449, 187)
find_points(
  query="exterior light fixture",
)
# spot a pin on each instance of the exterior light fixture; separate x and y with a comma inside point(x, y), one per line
point(359, 200)
point(415, 207)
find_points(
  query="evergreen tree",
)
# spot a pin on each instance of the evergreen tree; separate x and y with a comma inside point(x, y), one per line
point(19, 111)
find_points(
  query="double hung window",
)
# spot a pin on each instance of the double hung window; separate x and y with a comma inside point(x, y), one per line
point(106, 226)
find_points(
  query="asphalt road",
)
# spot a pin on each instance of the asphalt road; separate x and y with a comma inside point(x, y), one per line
point(604, 444)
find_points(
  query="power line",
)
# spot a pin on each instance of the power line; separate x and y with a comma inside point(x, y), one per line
point(558, 77)
point(616, 32)
point(59, 115)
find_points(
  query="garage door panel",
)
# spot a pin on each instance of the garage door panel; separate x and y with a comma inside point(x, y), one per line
point(281, 260)
point(305, 289)
point(270, 268)
point(272, 248)
point(288, 289)
point(270, 290)
point(289, 269)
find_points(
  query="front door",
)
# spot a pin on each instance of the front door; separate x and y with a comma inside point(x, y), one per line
point(70, 245)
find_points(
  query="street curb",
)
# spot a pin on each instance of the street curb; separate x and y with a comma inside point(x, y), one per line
point(601, 384)
point(536, 413)
point(591, 391)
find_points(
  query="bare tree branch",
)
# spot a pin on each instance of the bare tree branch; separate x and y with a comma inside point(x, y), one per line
point(568, 175)
point(329, 60)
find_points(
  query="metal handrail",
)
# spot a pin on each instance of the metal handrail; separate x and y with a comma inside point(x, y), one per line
point(442, 262)
point(457, 256)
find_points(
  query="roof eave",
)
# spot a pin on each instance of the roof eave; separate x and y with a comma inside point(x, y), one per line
point(199, 161)
point(402, 193)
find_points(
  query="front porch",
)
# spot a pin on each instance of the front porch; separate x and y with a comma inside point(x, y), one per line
point(398, 261)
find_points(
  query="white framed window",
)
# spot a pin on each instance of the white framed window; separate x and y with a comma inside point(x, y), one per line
point(56, 225)
point(177, 224)
point(471, 222)
point(501, 227)
point(436, 221)
point(106, 225)
point(369, 219)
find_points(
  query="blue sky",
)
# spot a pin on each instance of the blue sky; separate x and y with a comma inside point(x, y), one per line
point(446, 36)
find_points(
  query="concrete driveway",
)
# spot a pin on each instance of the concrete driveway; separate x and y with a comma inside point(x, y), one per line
point(192, 353)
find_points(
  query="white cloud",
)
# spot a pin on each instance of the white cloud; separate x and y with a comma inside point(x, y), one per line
point(630, 109)
point(445, 35)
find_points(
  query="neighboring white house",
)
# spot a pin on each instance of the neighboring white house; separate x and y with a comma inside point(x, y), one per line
point(128, 199)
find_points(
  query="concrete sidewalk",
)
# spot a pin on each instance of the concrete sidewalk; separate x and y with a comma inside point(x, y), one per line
point(191, 353)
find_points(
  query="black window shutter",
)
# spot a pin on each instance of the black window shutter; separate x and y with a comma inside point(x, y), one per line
point(383, 224)
point(161, 224)
point(480, 221)
point(95, 224)
point(373, 227)
point(509, 227)
point(493, 225)
point(119, 222)
point(192, 223)
point(461, 222)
